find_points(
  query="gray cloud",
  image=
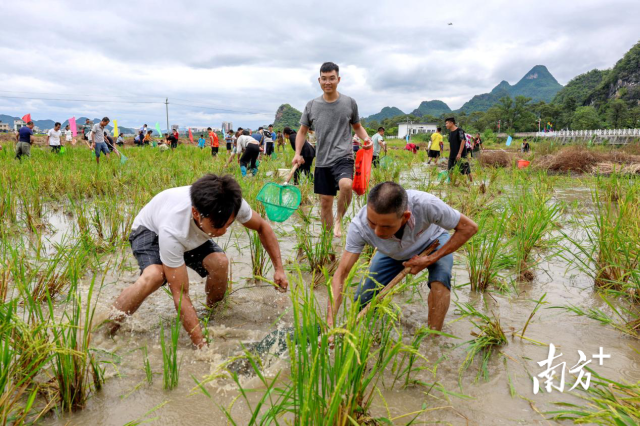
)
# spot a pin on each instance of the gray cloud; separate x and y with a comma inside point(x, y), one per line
point(252, 56)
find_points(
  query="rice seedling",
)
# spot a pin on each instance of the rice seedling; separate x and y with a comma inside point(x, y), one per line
point(259, 256)
point(484, 252)
point(318, 252)
point(147, 366)
point(607, 403)
point(610, 251)
point(488, 338)
point(170, 364)
point(76, 370)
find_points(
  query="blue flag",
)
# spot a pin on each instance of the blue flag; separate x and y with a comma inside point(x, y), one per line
point(509, 141)
point(407, 137)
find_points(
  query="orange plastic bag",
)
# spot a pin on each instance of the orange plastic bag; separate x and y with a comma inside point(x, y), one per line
point(364, 157)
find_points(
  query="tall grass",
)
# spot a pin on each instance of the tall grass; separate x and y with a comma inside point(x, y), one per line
point(170, 363)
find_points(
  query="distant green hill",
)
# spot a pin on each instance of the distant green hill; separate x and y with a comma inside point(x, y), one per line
point(434, 108)
point(580, 87)
point(622, 82)
point(538, 84)
point(386, 112)
point(287, 116)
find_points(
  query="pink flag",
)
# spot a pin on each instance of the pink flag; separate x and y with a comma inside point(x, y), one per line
point(190, 135)
point(26, 118)
point(72, 125)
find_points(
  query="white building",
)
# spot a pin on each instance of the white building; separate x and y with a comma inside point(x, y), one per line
point(17, 124)
point(4, 127)
point(415, 128)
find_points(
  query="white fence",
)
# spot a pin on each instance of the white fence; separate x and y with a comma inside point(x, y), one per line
point(589, 133)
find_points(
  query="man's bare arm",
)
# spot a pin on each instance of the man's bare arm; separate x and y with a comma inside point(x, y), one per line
point(465, 229)
point(270, 243)
point(301, 137)
point(337, 283)
point(179, 285)
point(362, 134)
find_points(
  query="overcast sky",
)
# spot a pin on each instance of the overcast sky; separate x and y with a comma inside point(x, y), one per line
point(248, 57)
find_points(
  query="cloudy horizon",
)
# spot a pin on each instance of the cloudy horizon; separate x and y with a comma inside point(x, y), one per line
point(239, 61)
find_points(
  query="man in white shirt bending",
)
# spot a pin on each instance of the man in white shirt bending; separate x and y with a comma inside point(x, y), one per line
point(175, 230)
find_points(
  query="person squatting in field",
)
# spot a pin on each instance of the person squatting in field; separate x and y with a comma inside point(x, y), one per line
point(175, 230)
point(400, 224)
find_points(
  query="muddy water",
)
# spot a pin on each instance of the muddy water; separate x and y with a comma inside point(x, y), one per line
point(253, 311)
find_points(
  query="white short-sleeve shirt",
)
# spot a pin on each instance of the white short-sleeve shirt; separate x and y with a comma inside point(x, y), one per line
point(169, 215)
point(54, 137)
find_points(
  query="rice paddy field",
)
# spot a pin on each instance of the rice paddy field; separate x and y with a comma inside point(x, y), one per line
point(555, 261)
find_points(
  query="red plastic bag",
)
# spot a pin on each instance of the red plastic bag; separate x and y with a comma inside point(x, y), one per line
point(364, 157)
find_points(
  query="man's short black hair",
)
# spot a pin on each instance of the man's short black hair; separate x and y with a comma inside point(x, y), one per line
point(388, 197)
point(451, 119)
point(287, 131)
point(439, 129)
point(217, 198)
point(240, 128)
point(245, 132)
point(208, 128)
point(381, 128)
point(29, 123)
point(105, 119)
point(270, 125)
point(260, 128)
point(328, 67)
point(57, 124)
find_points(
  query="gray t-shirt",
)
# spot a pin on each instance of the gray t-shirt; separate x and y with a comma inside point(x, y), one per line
point(98, 133)
point(430, 217)
point(376, 139)
point(332, 123)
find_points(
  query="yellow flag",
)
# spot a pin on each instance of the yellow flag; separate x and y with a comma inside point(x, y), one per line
point(115, 128)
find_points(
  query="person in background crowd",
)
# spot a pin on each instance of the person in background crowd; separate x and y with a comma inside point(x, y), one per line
point(172, 140)
point(280, 141)
point(436, 146)
point(411, 147)
point(214, 141)
point(268, 142)
point(308, 154)
point(311, 137)
point(250, 149)
point(229, 140)
point(457, 148)
point(98, 143)
point(378, 144)
point(525, 146)
point(176, 135)
point(120, 140)
point(24, 139)
point(86, 132)
point(144, 129)
point(476, 146)
point(356, 145)
point(147, 138)
point(202, 141)
point(53, 138)
point(68, 135)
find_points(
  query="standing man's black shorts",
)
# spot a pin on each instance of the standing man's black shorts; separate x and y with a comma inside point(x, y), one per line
point(214, 151)
point(326, 179)
point(434, 154)
point(462, 165)
point(146, 250)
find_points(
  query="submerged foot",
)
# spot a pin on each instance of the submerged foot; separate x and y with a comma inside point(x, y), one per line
point(337, 229)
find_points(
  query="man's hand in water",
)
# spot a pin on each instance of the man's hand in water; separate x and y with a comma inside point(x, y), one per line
point(297, 160)
point(280, 279)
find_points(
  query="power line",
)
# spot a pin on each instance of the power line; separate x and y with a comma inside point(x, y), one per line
point(219, 109)
point(80, 100)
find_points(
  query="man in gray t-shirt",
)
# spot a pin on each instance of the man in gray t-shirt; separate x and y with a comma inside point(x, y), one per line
point(400, 225)
point(97, 139)
point(332, 116)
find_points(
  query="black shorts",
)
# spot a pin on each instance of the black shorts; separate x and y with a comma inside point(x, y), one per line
point(462, 165)
point(434, 154)
point(229, 146)
point(146, 250)
point(326, 179)
point(174, 145)
point(214, 150)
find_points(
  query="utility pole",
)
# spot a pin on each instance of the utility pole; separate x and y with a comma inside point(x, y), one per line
point(166, 103)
